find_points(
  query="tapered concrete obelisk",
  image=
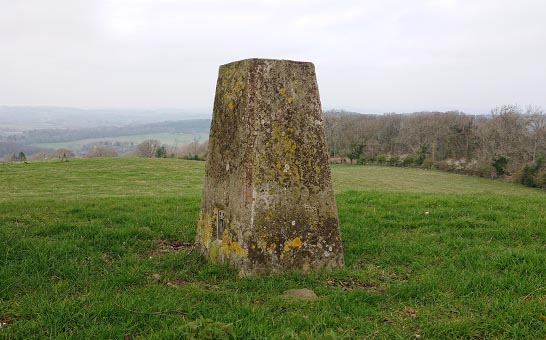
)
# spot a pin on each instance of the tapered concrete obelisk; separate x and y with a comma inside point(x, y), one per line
point(268, 204)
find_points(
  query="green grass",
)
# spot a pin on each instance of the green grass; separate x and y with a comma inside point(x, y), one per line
point(166, 138)
point(414, 180)
point(428, 253)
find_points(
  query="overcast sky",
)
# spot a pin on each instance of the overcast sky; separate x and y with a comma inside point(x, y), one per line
point(370, 56)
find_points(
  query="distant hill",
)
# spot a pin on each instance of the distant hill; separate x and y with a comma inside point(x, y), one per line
point(37, 136)
point(15, 119)
point(340, 113)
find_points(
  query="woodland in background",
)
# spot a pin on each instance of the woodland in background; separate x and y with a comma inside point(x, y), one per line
point(508, 143)
point(150, 148)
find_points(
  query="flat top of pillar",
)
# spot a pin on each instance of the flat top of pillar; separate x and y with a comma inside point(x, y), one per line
point(266, 60)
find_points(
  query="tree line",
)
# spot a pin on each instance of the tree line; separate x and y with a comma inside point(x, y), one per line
point(154, 148)
point(150, 148)
point(510, 142)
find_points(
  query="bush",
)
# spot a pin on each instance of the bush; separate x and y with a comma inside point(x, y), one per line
point(192, 157)
point(485, 169)
point(427, 164)
point(541, 179)
point(394, 160)
point(533, 175)
point(421, 155)
point(499, 164)
point(408, 161)
point(22, 157)
point(527, 176)
point(161, 152)
point(460, 166)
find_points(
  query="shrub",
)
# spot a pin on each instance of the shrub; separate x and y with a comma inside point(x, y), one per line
point(355, 152)
point(427, 164)
point(408, 161)
point(499, 164)
point(394, 160)
point(22, 157)
point(541, 179)
point(421, 155)
point(456, 165)
point(527, 176)
point(161, 152)
point(533, 175)
point(193, 157)
point(485, 169)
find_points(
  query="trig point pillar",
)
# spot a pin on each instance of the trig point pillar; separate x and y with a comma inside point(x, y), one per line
point(268, 204)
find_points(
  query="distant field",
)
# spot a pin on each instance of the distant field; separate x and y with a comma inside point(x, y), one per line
point(428, 255)
point(166, 138)
point(414, 180)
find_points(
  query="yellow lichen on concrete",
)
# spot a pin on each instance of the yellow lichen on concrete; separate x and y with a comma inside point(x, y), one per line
point(292, 243)
point(283, 154)
point(214, 251)
point(204, 228)
point(220, 250)
point(239, 251)
point(233, 85)
point(262, 243)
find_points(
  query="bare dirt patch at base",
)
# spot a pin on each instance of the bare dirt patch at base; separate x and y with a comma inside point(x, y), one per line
point(349, 284)
point(170, 246)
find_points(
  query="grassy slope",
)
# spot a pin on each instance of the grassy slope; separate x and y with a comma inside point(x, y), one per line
point(427, 253)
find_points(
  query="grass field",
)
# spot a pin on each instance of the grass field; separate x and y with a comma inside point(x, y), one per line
point(87, 251)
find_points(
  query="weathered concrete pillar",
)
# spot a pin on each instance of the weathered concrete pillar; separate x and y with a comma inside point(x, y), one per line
point(268, 204)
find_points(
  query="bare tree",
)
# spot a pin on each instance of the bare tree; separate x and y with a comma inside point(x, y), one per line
point(148, 148)
point(537, 126)
point(98, 151)
point(192, 150)
point(38, 156)
point(63, 154)
point(506, 134)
